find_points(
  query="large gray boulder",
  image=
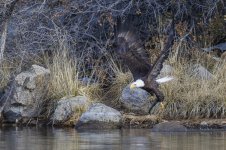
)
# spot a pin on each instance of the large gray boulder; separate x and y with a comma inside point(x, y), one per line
point(25, 95)
point(135, 100)
point(200, 72)
point(68, 107)
point(100, 116)
point(169, 126)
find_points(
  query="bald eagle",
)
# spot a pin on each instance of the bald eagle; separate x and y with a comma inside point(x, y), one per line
point(131, 50)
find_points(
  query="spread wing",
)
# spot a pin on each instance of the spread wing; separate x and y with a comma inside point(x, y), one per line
point(133, 54)
point(156, 68)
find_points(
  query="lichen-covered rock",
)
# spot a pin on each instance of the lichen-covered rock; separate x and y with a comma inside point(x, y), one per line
point(25, 95)
point(200, 72)
point(100, 116)
point(135, 100)
point(169, 126)
point(68, 107)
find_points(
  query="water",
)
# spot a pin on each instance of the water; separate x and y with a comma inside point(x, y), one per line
point(129, 139)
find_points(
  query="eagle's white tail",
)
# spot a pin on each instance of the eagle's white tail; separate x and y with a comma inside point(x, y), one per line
point(165, 79)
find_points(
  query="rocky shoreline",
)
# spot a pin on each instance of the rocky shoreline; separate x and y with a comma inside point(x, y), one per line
point(136, 122)
point(23, 103)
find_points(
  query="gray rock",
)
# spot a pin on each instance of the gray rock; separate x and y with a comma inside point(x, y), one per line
point(200, 72)
point(136, 100)
point(22, 96)
point(25, 95)
point(68, 107)
point(100, 116)
point(87, 81)
point(29, 78)
point(221, 47)
point(14, 113)
point(171, 126)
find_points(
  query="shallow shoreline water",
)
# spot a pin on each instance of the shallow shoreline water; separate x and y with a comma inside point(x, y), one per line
point(69, 138)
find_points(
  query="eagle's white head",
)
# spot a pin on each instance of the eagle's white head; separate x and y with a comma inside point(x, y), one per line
point(138, 83)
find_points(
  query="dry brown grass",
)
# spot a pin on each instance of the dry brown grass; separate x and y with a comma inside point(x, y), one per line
point(7, 67)
point(4, 75)
point(65, 79)
point(120, 81)
point(189, 97)
point(76, 115)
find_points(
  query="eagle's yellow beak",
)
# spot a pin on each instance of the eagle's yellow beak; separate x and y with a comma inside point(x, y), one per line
point(132, 86)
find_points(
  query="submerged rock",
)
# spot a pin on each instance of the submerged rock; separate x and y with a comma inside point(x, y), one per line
point(135, 100)
point(205, 124)
point(69, 107)
point(26, 94)
point(100, 116)
point(171, 126)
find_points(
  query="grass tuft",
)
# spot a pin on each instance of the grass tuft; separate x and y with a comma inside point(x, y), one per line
point(189, 97)
point(65, 78)
point(119, 82)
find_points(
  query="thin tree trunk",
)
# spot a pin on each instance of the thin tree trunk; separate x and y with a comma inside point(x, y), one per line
point(3, 40)
point(5, 22)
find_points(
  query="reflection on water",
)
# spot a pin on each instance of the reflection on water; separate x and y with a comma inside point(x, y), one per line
point(129, 139)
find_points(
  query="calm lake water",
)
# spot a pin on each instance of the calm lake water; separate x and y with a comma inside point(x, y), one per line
point(14, 138)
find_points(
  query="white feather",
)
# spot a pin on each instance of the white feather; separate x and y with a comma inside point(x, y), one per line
point(165, 79)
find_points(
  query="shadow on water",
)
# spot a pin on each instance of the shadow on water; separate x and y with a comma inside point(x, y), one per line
point(13, 138)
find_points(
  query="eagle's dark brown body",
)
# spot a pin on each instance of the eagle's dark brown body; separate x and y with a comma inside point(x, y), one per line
point(133, 54)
